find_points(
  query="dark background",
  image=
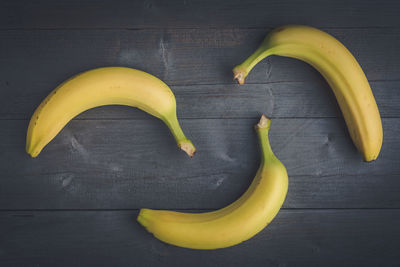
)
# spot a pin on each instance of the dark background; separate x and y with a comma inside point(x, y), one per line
point(76, 204)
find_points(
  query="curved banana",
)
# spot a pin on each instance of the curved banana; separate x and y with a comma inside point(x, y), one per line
point(235, 223)
point(340, 69)
point(99, 87)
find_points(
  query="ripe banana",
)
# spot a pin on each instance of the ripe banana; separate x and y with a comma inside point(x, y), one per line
point(340, 69)
point(235, 223)
point(99, 87)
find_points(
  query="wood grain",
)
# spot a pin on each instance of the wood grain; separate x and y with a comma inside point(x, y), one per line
point(76, 204)
point(278, 100)
point(196, 13)
point(114, 238)
point(135, 163)
point(45, 58)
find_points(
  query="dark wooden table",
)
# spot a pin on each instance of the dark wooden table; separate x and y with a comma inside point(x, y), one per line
point(76, 204)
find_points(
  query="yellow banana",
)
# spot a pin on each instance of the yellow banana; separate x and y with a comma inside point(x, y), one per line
point(99, 87)
point(340, 69)
point(235, 223)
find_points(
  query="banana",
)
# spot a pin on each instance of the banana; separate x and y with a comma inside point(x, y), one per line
point(235, 223)
point(99, 87)
point(340, 69)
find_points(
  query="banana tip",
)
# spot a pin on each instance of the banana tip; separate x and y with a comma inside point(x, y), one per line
point(33, 153)
point(142, 217)
point(369, 159)
point(264, 122)
point(239, 75)
point(188, 147)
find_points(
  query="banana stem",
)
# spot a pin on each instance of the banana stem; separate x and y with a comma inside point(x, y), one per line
point(183, 143)
point(262, 129)
point(241, 71)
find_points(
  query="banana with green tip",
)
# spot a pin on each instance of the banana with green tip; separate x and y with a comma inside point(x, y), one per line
point(99, 87)
point(340, 69)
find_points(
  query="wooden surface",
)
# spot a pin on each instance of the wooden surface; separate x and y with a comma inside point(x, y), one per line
point(76, 204)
